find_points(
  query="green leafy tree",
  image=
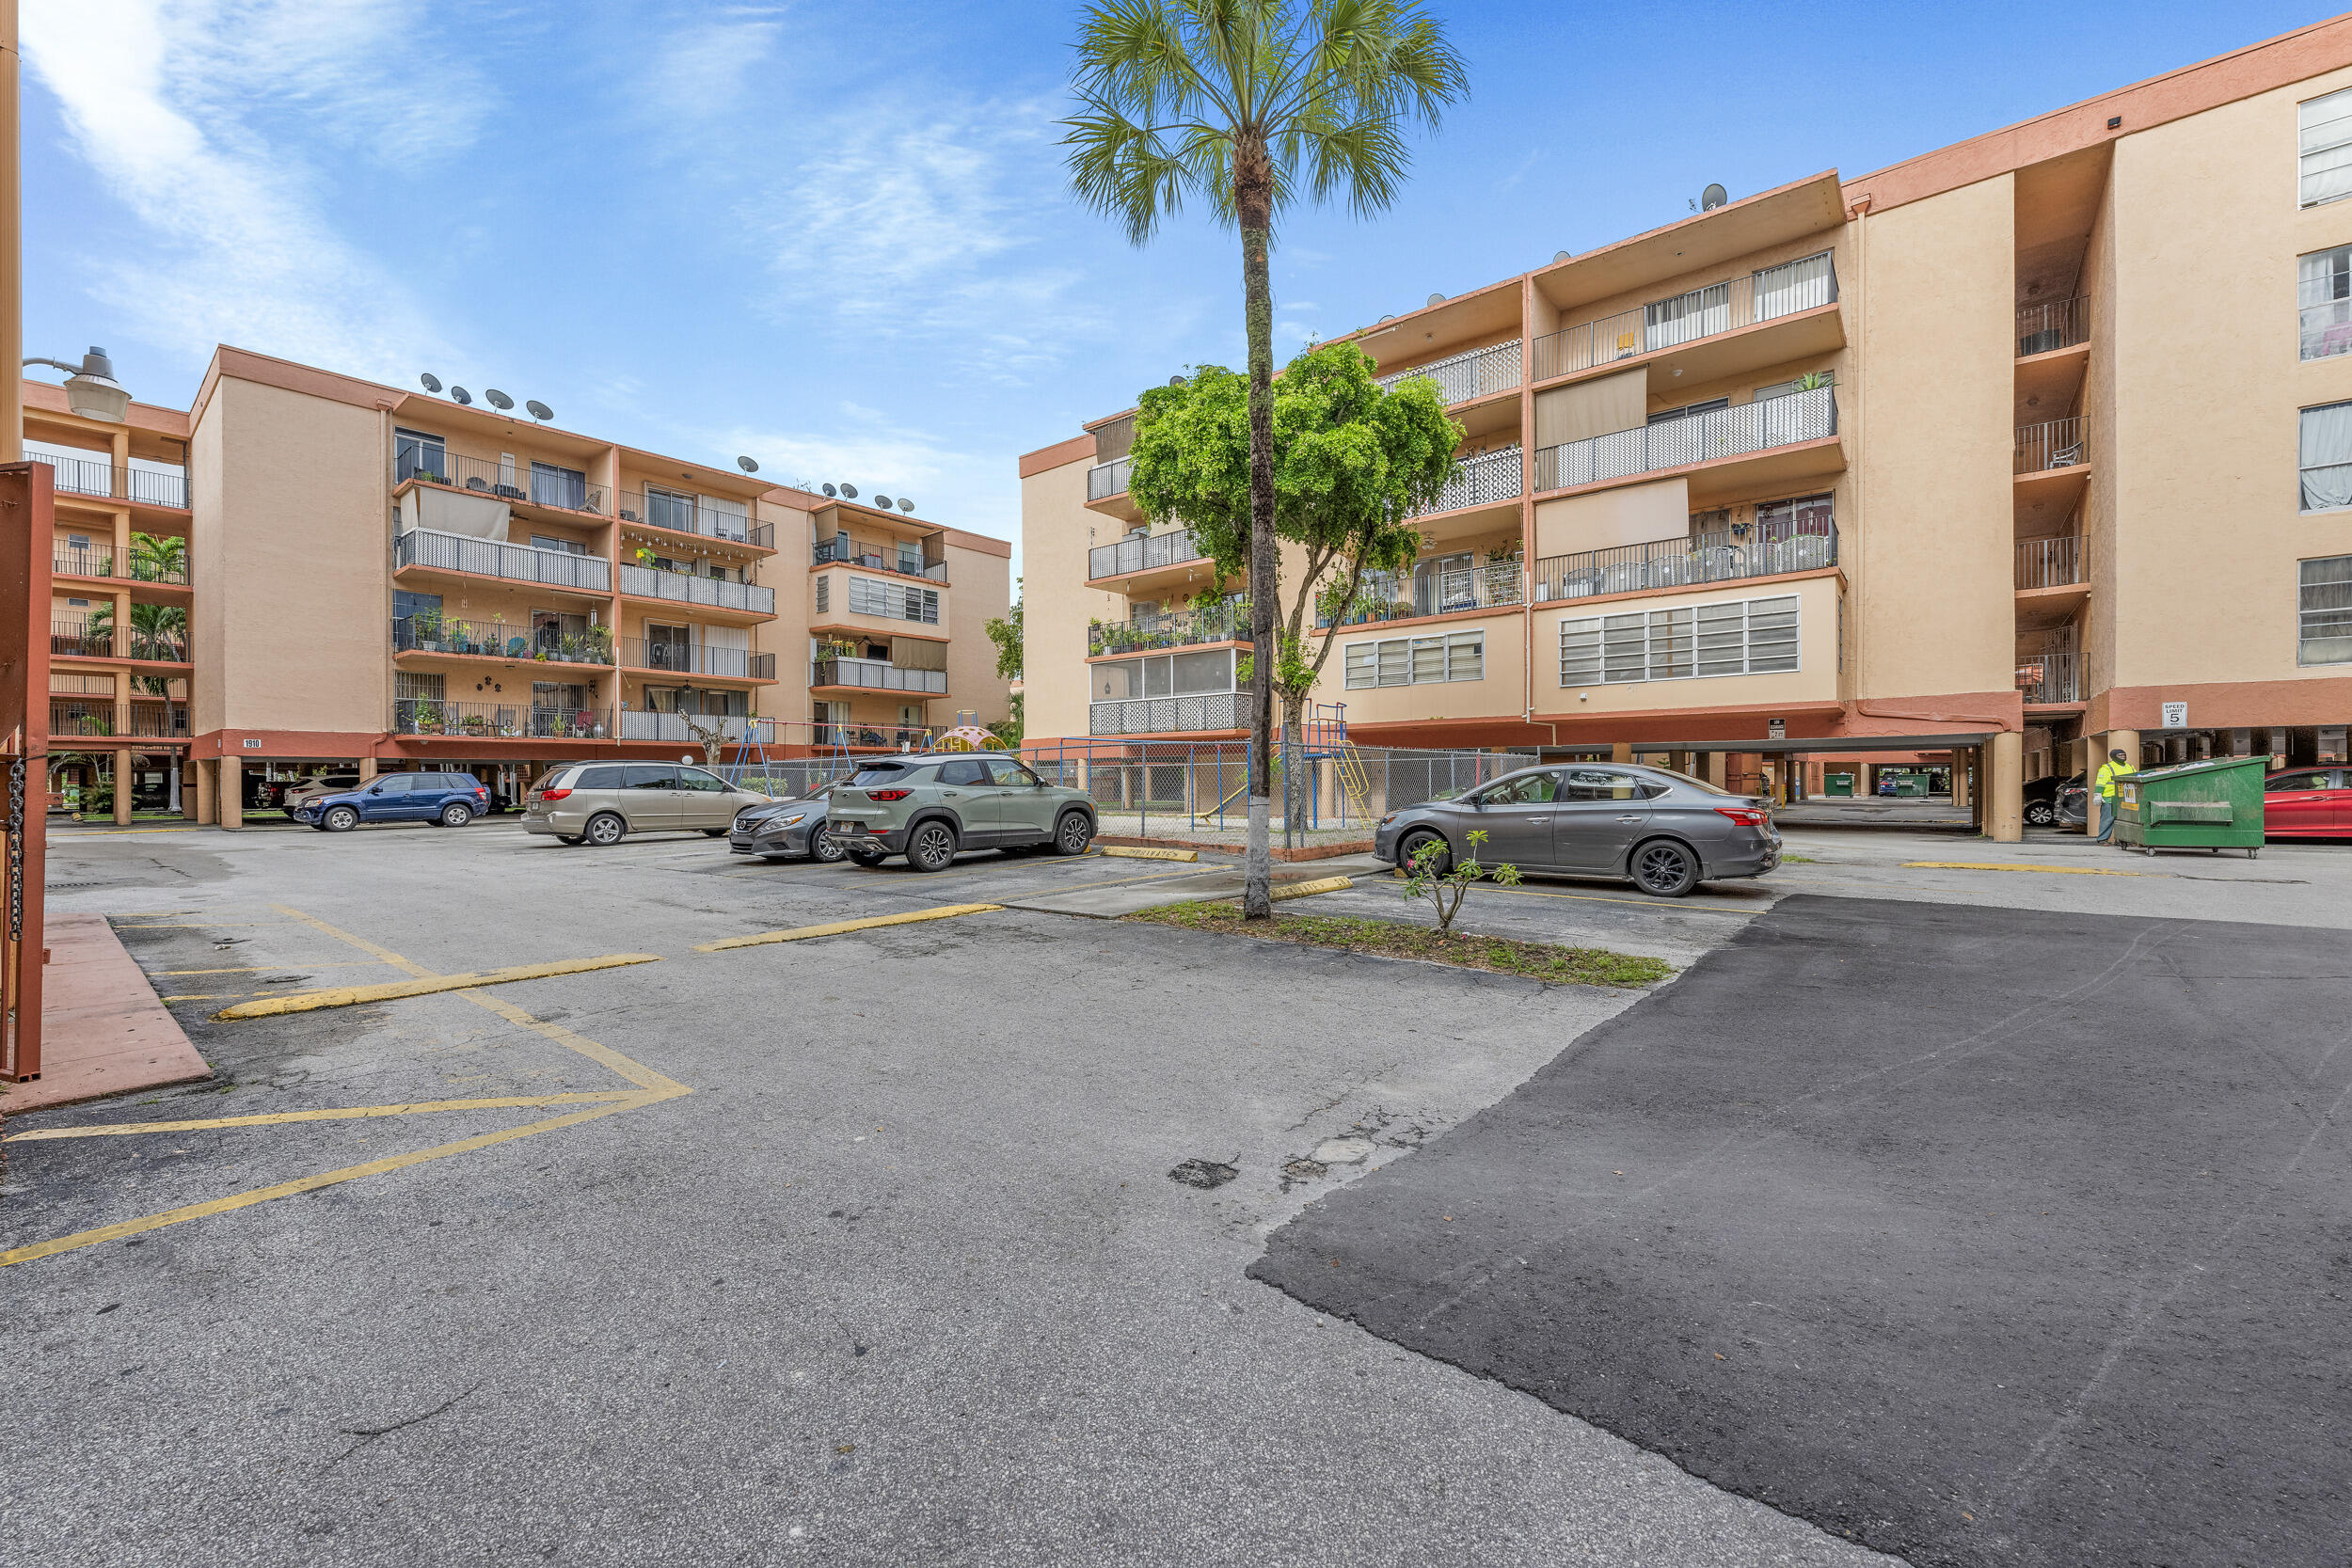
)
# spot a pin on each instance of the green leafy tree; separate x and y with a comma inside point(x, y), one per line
point(1008, 634)
point(1252, 107)
point(1352, 463)
point(1429, 876)
point(159, 558)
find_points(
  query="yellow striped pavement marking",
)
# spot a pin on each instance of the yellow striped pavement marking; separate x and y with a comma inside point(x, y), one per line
point(1137, 852)
point(1307, 890)
point(355, 1113)
point(1991, 865)
point(272, 968)
point(390, 991)
point(840, 928)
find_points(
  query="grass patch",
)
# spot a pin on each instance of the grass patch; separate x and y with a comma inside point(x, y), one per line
point(1536, 960)
point(1798, 859)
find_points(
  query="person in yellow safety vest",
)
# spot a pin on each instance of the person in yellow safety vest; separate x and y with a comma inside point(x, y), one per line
point(2118, 765)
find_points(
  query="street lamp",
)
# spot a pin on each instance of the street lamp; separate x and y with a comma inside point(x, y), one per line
point(91, 387)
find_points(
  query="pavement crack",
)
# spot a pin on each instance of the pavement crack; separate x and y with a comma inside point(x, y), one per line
point(369, 1435)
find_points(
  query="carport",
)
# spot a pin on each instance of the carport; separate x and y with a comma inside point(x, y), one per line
point(1994, 807)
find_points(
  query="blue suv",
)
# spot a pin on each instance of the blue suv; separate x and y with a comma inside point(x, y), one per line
point(444, 796)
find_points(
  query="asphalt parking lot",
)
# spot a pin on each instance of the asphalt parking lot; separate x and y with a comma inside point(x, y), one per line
point(864, 1247)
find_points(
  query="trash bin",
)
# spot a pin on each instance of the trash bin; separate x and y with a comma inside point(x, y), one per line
point(2212, 805)
point(1838, 784)
point(1911, 786)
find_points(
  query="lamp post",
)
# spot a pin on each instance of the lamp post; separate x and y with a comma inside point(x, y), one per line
point(91, 387)
point(11, 244)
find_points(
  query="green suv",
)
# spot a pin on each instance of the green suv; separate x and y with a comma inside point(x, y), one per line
point(929, 807)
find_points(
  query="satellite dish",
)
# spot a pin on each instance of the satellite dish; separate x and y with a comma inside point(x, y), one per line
point(432, 382)
point(1712, 198)
point(461, 395)
point(850, 490)
point(1559, 255)
point(747, 465)
point(539, 410)
point(831, 491)
point(1175, 380)
point(499, 399)
point(1384, 319)
point(1437, 299)
point(906, 506)
point(882, 501)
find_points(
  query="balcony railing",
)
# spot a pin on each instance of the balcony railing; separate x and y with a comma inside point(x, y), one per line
point(1219, 710)
point(1106, 480)
point(533, 484)
point(1494, 586)
point(1135, 554)
point(2055, 677)
point(638, 653)
point(2053, 324)
point(882, 736)
point(149, 719)
point(2052, 563)
point(1703, 313)
point(1226, 621)
point(2054, 444)
point(1759, 550)
point(873, 675)
point(648, 582)
point(1463, 377)
point(498, 720)
point(95, 562)
point(844, 550)
point(696, 514)
point(1491, 476)
point(671, 728)
point(67, 720)
point(1782, 422)
point(99, 476)
point(456, 552)
point(433, 633)
point(75, 639)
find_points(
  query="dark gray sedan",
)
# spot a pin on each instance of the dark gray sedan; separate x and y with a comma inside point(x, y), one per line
point(1665, 833)
point(784, 830)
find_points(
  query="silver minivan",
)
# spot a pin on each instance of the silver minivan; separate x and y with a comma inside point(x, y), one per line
point(603, 802)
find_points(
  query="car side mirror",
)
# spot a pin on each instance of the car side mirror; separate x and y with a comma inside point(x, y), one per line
point(377, 790)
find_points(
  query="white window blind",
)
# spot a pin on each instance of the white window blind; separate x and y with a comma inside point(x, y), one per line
point(2324, 457)
point(895, 601)
point(1415, 661)
point(1747, 637)
point(2326, 147)
point(2325, 618)
point(2324, 294)
point(1793, 286)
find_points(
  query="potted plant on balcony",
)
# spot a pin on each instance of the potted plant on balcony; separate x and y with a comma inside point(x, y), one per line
point(475, 724)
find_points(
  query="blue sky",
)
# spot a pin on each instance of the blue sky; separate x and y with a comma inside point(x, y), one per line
point(836, 237)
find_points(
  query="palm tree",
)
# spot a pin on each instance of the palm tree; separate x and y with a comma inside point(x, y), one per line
point(1250, 105)
point(159, 558)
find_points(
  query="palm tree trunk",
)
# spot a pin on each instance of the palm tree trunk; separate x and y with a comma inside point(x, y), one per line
point(1253, 201)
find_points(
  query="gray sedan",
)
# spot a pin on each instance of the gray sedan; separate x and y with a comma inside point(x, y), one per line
point(782, 830)
point(1666, 832)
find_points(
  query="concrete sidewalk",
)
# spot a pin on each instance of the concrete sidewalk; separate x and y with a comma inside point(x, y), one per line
point(103, 1031)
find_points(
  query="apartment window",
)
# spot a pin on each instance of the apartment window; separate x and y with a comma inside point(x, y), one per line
point(1416, 660)
point(1700, 314)
point(669, 509)
point(1783, 519)
point(405, 604)
point(825, 591)
point(1800, 384)
point(1746, 637)
point(2324, 293)
point(2327, 148)
point(2325, 619)
point(1793, 286)
point(896, 600)
point(554, 486)
point(1193, 675)
point(77, 604)
point(910, 558)
point(415, 452)
point(564, 546)
point(77, 540)
point(2324, 457)
point(410, 686)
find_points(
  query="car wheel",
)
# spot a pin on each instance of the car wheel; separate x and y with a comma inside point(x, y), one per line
point(714, 832)
point(606, 830)
point(931, 846)
point(1073, 833)
point(821, 846)
point(1665, 868)
point(340, 820)
point(456, 815)
point(2039, 814)
point(569, 838)
point(1410, 849)
point(866, 858)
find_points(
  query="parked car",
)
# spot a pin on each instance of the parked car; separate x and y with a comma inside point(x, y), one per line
point(2041, 800)
point(430, 795)
point(784, 830)
point(291, 793)
point(2307, 803)
point(930, 807)
point(603, 802)
point(1666, 832)
point(2073, 802)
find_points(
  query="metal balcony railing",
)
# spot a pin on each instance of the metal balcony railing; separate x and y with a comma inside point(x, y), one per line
point(1490, 476)
point(1462, 376)
point(2052, 677)
point(878, 557)
point(528, 484)
point(498, 720)
point(730, 520)
point(638, 653)
point(890, 738)
point(1497, 585)
point(75, 639)
point(2052, 563)
point(67, 720)
point(1226, 621)
point(99, 561)
point(99, 476)
point(2053, 324)
point(152, 719)
point(649, 582)
point(456, 552)
point(1716, 307)
point(2053, 444)
point(1139, 554)
point(431, 632)
point(671, 728)
point(1751, 427)
point(1758, 550)
point(1106, 480)
point(1218, 710)
point(873, 675)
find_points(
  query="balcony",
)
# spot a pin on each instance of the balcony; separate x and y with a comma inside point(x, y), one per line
point(1491, 476)
point(487, 557)
point(99, 561)
point(1748, 300)
point(1143, 554)
point(1495, 586)
point(78, 639)
point(1464, 377)
point(647, 583)
point(98, 476)
point(696, 514)
point(2053, 444)
point(1218, 710)
point(1226, 621)
point(841, 550)
point(497, 720)
point(740, 664)
point(2053, 678)
point(672, 728)
point(431, 632)
point(541, 485)
point(873, 675)
point(150, 719)
point(1787, 421)
point(2059, 562)
point(889, 737)
point(1106, 480)
point(1760, 550)
point(2053, 324)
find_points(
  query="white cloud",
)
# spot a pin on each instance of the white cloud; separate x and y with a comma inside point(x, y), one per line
point(961, 489)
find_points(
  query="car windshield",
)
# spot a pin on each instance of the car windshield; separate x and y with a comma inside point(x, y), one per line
point(880, 773)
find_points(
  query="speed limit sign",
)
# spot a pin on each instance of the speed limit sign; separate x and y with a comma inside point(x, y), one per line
point(2176, 716)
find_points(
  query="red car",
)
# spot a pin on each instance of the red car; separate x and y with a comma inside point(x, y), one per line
point(2307, 803)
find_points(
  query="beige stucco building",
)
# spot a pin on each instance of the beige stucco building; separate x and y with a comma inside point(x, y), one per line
point(2030, 446)
point(387, 578)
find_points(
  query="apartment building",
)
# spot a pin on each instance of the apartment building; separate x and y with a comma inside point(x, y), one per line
point(2024, 448)
point(384, 580)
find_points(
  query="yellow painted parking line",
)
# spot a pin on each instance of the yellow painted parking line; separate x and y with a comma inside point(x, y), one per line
point(355, 1113)
point(390, 991)
point(1137, 852)
point(192, 925)
point(269, 968)
point(1307, 890)
point(1990, 865)
point(841, 928)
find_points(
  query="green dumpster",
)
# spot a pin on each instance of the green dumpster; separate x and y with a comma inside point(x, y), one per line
point(1911, 786)
point(1838, 784)
point(2212, 805)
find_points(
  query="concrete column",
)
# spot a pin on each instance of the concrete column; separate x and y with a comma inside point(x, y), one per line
point(1960, 777)
point(202, 796)
point(1715, 768)
point(122, 786)
point(367, 769)
point(1621, 752)
point(2005, 793)
point(230, 792)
